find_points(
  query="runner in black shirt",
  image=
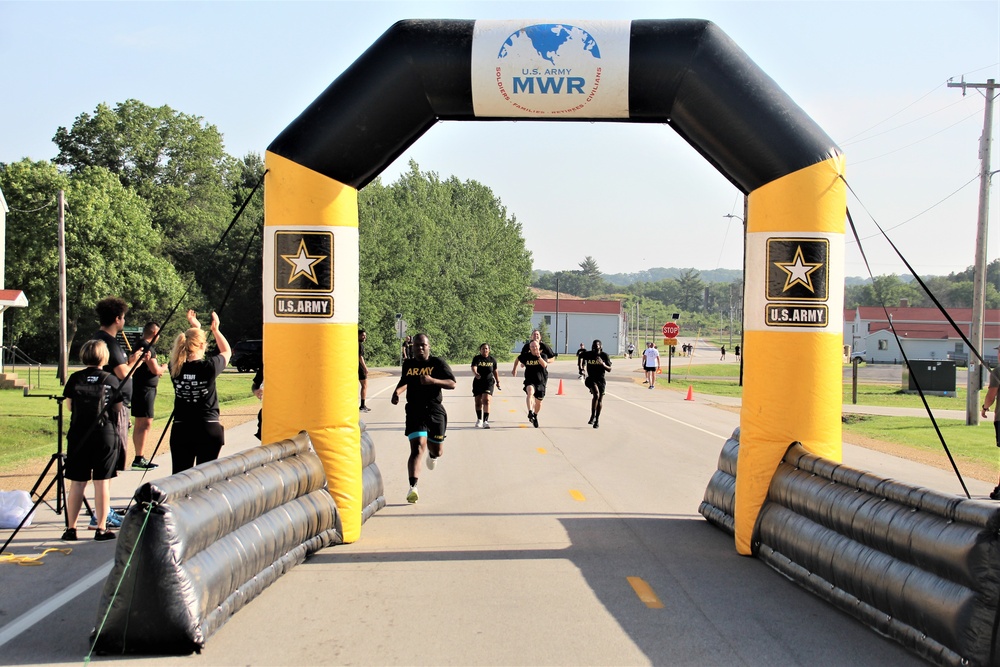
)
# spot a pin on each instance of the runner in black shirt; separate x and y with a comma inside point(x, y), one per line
point(542, 346)
point(484, 368)
point(579, 359)
point(422, 378)
point(597, 363)
point(536, 374)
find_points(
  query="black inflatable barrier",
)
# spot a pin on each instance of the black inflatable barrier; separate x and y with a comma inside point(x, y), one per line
point(371, 479)
point(199, 545)
point(720, 496)
point(918, 566)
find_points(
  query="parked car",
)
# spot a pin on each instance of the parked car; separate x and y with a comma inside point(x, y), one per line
point(248, 356)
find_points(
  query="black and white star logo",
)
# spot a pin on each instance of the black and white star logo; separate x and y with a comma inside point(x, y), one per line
point(303, 261)
point(798, 269)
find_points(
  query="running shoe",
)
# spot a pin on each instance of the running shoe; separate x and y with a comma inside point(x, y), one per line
point(103, 535)
point(479, 423)
point(591, 420)
point(996, 493)
point(69, 535)
point(364, 408)
point(412, 496)
point(142, 463)
point(596, 425)
point(486, 424)
point(431, 462)
point(534, 420)
point(113, 521)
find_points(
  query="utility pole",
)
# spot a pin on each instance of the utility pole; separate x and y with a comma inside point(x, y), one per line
point(63, 320)
point(975, 378)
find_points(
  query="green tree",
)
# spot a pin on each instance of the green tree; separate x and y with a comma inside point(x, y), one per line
point(174, 161)
point(446, 256)
point(111, 249)
point(690, 291)
point(591, 275)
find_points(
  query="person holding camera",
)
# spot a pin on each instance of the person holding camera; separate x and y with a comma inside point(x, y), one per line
point(144, 383)
point(91, 443)
point(197, 435)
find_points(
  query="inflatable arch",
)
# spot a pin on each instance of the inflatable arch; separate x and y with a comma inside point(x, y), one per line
point(685, 73)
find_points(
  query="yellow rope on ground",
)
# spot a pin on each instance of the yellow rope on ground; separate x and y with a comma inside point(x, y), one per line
point(32, 560)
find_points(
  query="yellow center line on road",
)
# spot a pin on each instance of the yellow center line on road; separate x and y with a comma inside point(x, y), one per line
point(645, 592)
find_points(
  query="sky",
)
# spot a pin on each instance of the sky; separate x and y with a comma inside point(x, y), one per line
point(873, 75)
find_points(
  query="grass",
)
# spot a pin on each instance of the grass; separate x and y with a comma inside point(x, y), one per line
point(974, 444)
point(28, 425)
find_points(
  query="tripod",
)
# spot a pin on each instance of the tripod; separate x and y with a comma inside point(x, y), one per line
point(59, 481)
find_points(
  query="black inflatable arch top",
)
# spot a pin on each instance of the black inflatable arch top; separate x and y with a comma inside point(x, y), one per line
point(687, 73)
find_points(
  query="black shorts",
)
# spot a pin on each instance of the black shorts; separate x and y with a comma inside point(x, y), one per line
point(483, 385)
point(596, 383)
point(362, 374)
point(431, 418)
point(539, 388)
point(143, 402)
point(649, 369)
point(96, 459)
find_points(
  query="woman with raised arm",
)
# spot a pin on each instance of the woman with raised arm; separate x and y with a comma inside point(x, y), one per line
point(197, 435)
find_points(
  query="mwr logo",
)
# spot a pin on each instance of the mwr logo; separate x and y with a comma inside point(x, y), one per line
point(550, 69)
point(795, 315)
point(303, 261)
point(797, 270)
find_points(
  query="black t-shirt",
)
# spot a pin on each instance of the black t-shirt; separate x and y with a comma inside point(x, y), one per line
point(195, 397)
point(423, 394)
point(486, 366)
point(143, 376)
point(116, 357)
point(79, 423)
point(534, 372)
point(579, 357)
point(592, 360)
point(542, 347)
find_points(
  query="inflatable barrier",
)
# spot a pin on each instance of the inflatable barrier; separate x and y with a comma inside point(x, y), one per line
point(918, 566)
point(373, 490)
point(199, 545)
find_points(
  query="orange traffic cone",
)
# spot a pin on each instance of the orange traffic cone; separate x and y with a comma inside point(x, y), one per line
point(690, 396)
point(560, 392)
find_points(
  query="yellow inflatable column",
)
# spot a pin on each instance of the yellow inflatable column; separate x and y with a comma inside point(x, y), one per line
point(311, 324)
point(793, 321)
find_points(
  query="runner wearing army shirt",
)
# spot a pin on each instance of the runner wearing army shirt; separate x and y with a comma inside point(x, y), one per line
point(597, 363)
point(536, 374)
point(423, 378)
point(537, 336)
point(484, 368)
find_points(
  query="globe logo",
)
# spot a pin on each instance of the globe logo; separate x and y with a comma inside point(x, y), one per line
point(569, 70)
point(551, 41)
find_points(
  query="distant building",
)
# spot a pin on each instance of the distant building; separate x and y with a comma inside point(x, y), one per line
point(573, 320)
point(923, 332)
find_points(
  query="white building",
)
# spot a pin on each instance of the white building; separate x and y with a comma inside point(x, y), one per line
point(571, 320)
point(923, 332)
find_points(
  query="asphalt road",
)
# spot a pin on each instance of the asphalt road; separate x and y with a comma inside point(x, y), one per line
point(561, 545)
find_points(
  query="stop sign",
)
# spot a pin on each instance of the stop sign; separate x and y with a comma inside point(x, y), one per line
point(671, 329)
